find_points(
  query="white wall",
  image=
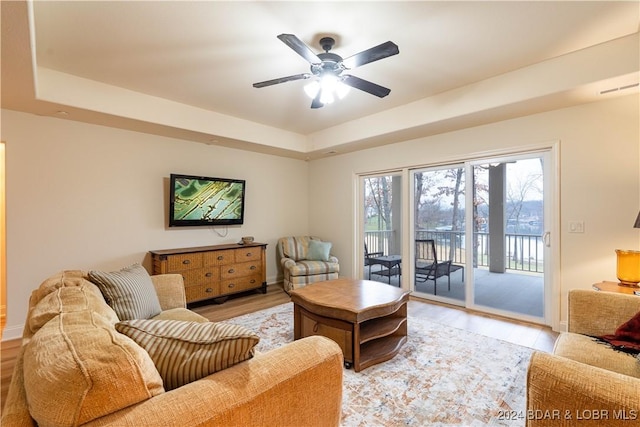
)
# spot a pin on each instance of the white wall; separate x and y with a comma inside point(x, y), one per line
point(91, 197)
point(81, 196)
point(599, 182)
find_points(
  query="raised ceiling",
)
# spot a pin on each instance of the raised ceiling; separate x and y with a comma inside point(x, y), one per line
point(185, 69)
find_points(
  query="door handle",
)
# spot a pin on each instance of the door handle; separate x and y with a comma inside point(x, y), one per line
point(546, 239)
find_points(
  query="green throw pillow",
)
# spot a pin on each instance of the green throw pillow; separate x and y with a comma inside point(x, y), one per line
point(130, 292)
point(318, 251)
point(187, 351)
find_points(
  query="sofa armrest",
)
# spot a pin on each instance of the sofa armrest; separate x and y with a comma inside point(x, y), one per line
point(563, 392)
point(170, 290)
point(305, 389)
point(16, 408)
point(287, 263)
point(597, 313)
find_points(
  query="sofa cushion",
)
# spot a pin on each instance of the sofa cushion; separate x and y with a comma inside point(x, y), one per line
point(180, 313)
point(318, 251)
point(295, 247)
point(81, 369)
point(590, 351)
point(187, 351)
point(130, 292)
point(307, 268)
point(86, 296)
point(66, 278)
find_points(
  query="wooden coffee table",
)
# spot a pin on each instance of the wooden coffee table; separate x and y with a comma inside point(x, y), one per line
point(367, 319)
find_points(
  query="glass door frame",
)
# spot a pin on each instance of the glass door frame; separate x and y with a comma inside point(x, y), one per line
point(412, 233)
point(551, 299)
point(551, 150)
point(550, 195)
point(360, 226)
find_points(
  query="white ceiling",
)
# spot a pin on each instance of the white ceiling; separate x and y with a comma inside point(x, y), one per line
point(195, 62)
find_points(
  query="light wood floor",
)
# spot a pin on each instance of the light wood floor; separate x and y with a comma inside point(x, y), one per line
point(521, 333)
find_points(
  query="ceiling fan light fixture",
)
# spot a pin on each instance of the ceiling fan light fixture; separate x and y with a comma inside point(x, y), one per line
point(330, 87)
point(327, 82)
point(312, 88)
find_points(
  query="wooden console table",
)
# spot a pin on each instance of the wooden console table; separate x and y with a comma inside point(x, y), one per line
point(367, 319)
point(215, 271)
point(616, 287)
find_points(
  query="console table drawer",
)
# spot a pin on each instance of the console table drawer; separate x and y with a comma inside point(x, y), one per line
point(240, 270)
point(201, 276)
point(219, 257)
point(240, 284)
point(248, 254)
point(178, 263)
point(201, 292)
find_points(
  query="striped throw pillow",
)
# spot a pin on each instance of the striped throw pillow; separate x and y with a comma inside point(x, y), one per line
point(130, 292)
point(187, 351)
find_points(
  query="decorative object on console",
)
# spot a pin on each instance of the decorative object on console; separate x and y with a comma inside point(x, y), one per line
point(201, 200)
point(247, 240)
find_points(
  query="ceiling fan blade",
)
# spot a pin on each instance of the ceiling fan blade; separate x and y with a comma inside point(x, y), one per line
point(316, 101)
point(282, 80)
point(381, 51)
point(300, 48)
point(367, 86)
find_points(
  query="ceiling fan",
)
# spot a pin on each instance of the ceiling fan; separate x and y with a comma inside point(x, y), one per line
point(327, 68)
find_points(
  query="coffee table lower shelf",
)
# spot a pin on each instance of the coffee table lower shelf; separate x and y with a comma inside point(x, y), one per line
point(363, 344)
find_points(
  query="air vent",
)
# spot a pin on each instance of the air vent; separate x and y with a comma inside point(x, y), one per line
point(616, 89)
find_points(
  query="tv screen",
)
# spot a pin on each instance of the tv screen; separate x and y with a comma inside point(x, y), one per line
point(200, 200)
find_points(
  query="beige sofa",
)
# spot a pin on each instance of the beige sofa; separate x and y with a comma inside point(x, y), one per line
point(297, 384)
point(585, 382)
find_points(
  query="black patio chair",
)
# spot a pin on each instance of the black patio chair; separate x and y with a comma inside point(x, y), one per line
point(427, 266)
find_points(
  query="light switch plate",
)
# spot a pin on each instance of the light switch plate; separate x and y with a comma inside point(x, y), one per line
point(576, 226)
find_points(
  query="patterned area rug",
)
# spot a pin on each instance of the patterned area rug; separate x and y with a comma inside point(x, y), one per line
point(443, 376)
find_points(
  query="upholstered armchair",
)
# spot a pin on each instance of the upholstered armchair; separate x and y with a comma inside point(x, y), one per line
point(584, 377)
point(306, 260)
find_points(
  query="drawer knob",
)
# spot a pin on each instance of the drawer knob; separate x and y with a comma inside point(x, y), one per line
point(220, 257)
point(253, 281)
point(231, 270)
point(208, 274)
point(209, 290)
point(248, 253)
point(186, 261)
point(231, 285)
point(253, 267)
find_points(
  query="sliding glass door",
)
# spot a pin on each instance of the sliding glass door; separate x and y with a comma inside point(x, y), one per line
point(382, 227)
point(438, 241)
point(508, 232)
point(479, 234)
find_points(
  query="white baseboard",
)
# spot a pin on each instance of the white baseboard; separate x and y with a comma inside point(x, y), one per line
point(12, 332)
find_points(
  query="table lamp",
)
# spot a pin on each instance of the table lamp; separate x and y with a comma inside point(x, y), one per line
point(628, 267)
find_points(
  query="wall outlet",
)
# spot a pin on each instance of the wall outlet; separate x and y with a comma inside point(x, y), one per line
point(576, 226)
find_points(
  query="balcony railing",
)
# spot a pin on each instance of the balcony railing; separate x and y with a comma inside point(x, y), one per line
point(523, 252)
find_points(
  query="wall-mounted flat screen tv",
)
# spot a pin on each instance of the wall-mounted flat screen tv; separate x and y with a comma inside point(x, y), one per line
point(200, 200)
